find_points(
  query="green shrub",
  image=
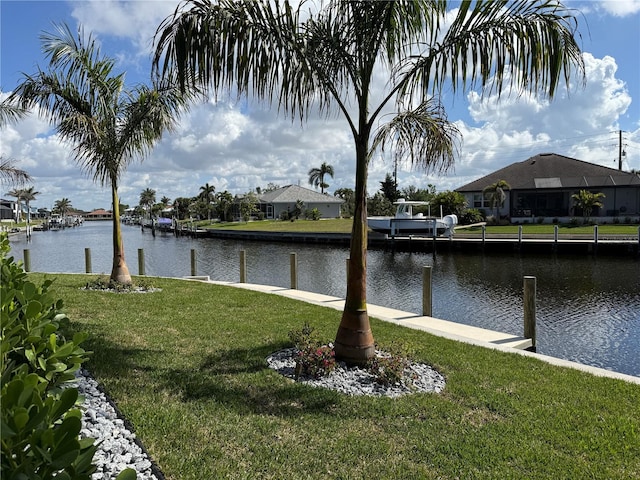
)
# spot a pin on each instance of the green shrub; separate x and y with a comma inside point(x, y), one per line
point(472, 215)
point(313, 214)
point(40, 426)
point(391, 366)
point(313, 359)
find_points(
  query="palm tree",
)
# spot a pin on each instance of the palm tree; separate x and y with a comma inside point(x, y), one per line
point(147, 199)
point(26, 194)
point(207, 195)
point(17, 194)
point(316, 176)
point(109, 124)
point(496, 195)
point(328, 61)
point(62, 206)
point(587, 201)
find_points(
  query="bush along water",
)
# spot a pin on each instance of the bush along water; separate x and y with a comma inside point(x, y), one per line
point(40, 422)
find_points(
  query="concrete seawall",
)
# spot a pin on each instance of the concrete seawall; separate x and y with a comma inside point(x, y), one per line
point(455, 331)
point(536, 244)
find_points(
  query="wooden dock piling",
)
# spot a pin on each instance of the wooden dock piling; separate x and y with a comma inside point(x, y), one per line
point(427, 295)
point(141, 261)
point(530, 310)
point(87, 260)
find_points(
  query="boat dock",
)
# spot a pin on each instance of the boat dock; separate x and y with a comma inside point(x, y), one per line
point(545, 244)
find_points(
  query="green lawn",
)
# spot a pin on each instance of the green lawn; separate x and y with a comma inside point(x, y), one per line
point(329, 225)
point(548, 229)
point(187, 367)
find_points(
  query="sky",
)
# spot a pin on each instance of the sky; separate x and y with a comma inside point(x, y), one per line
point(239, 146)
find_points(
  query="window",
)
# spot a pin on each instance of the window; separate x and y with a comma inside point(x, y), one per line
point(478, 200)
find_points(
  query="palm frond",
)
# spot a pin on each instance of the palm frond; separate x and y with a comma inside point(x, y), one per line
point(12, 174)
point(498, 45)
point(10, 113)
point(423, 136)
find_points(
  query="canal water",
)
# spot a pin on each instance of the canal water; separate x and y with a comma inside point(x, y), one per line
point(588, 308)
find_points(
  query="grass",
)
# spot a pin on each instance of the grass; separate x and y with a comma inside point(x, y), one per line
point(329, 225)
point(548, 229)
point(187, 367)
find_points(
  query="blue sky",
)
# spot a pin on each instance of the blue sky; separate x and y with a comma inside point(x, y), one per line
point(241, 147)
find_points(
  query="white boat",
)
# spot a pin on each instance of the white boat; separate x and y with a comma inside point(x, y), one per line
point(409, 222)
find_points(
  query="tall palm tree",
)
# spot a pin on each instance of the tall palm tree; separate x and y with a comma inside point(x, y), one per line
point(62, 206)
point(17, 194)
point(316, 176)
point(328, 61)
point(147, 199)
point(26, 194)
point(496, 195)
point(109, 124)
point(207, 195)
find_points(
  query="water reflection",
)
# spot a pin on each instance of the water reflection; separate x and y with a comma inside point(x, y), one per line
point(588, 308)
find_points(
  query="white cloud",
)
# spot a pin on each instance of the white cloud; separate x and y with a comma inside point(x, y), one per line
point(582, 124)
point(621, 8)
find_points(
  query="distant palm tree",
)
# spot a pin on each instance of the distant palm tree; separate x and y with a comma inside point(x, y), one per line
point(62, 206)
point(587, 201)
point(147, 199)
point(207, 195)
point(316, 176)
point(26, 194)
point(496, 195)
point(17, 194)
point(109, 124)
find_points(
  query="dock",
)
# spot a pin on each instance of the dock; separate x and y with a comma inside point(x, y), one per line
point(541, 244)
point(620, 245)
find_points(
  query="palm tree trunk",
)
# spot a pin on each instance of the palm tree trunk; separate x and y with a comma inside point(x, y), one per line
point(119, 271)
point(354, 342)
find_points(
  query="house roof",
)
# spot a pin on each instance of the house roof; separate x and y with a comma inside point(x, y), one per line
point(553, 171)
point(293, 193)
point(100, 211)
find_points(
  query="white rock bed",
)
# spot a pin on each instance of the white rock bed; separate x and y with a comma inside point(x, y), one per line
point(118, 447)
point(357, 381)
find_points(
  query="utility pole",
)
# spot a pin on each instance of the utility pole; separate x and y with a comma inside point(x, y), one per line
point(620, 150)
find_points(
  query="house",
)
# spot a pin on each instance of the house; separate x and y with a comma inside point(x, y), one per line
point(284, 199)
point(542, 186)
point(9, 209)
point(99, 214)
